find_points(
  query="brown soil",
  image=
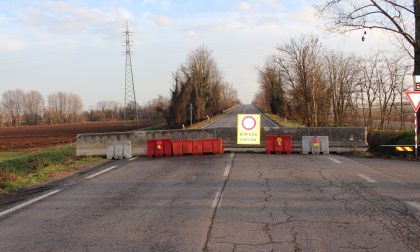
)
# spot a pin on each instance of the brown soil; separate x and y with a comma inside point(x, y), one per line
point(37, 137)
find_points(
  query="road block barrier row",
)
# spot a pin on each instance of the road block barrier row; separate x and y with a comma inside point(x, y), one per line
point(278, 144)
point(169, 147)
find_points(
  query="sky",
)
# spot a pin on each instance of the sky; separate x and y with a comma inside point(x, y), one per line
point(77, 46)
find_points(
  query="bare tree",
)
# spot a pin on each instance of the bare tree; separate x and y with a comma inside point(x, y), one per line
point(33, 107)
point(394, 16)
point(300, 63)
point(229, 95)
point(391, 78)
point(271, 85)
point(12, 103)
point(64, 107)
point(199, 83)
point(341, 74)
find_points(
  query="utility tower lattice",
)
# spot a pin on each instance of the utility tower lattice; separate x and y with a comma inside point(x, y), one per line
point(130, 103)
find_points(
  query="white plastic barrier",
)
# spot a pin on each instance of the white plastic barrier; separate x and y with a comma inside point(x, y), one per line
point(321, 146)
point(119, 150)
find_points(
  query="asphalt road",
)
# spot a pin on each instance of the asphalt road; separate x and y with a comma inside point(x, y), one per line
point(230, 119)
point(230, 202)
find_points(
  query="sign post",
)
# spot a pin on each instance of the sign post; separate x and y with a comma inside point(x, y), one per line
point(249, 129)
point(414, 97)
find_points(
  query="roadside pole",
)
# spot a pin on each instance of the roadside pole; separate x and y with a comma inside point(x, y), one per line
point(415, 134)
point(414, 98)
point(416, 4)
point(191, 110)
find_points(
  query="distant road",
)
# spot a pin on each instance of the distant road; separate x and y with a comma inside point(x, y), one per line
point(230, 119)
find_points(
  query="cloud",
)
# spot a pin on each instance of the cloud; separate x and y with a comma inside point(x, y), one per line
point(10, 44)
point(162, 20)
point(306, 14)
point(164, 4)
point(245, 6)
point(192, 35)
point(63, 17)
point(274, 4)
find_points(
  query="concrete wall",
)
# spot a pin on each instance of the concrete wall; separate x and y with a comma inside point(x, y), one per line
point(341, 139)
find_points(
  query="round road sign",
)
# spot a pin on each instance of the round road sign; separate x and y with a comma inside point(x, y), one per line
point(249, 122)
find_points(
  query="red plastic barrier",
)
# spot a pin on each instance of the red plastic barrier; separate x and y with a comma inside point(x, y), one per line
point(187, 146)
point(197, 147)
point(218, 146)
point(287, 147)
point(278, 144)
point(167, 147)
point(159, 148)
point(207, 146)
point(177, 148)
point(269, 144)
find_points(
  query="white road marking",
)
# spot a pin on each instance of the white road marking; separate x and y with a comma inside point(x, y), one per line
point(227, 170)
point(216, 200)
point(99, 173)
point(370, 180)
point(416, 205)
point(220, 201)
point(131, 159)
point(27, 203)
point(232, 155)
point(335, 160)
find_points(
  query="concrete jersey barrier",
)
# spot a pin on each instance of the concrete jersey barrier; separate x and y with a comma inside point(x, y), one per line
point(340, 139)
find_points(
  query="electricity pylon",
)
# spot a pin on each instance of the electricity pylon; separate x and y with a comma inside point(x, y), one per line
point(130, 103)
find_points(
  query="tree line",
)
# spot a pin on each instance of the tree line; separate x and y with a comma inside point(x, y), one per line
point(320, 87)
point(18, 107)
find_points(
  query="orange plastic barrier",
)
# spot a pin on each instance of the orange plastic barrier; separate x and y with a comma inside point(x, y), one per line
point(278, 144)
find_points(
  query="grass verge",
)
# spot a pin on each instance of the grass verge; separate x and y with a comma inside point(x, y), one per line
point(9, 155)
point(39, 167)
point(376, 140)
point(213, 119)
point(283, 122)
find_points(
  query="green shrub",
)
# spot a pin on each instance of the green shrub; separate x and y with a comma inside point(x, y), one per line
point(376, 140)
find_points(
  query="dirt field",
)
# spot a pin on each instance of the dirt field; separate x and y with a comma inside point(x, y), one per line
point(37, 137)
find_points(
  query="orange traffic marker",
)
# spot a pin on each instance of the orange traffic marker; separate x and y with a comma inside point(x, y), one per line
point(279, 141)
point(315, 142)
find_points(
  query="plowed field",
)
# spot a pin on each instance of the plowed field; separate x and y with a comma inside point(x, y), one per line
point(37, 137)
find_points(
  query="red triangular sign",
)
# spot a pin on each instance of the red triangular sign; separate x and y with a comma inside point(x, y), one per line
point(414, 97)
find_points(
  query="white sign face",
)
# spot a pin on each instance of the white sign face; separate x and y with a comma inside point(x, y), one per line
point(416, 78)
point(414, 97)
point(249, 129)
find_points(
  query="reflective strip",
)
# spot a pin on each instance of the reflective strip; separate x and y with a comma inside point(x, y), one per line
point(403, 148)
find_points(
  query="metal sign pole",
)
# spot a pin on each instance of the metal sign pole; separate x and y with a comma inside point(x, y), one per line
point(415, 134)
